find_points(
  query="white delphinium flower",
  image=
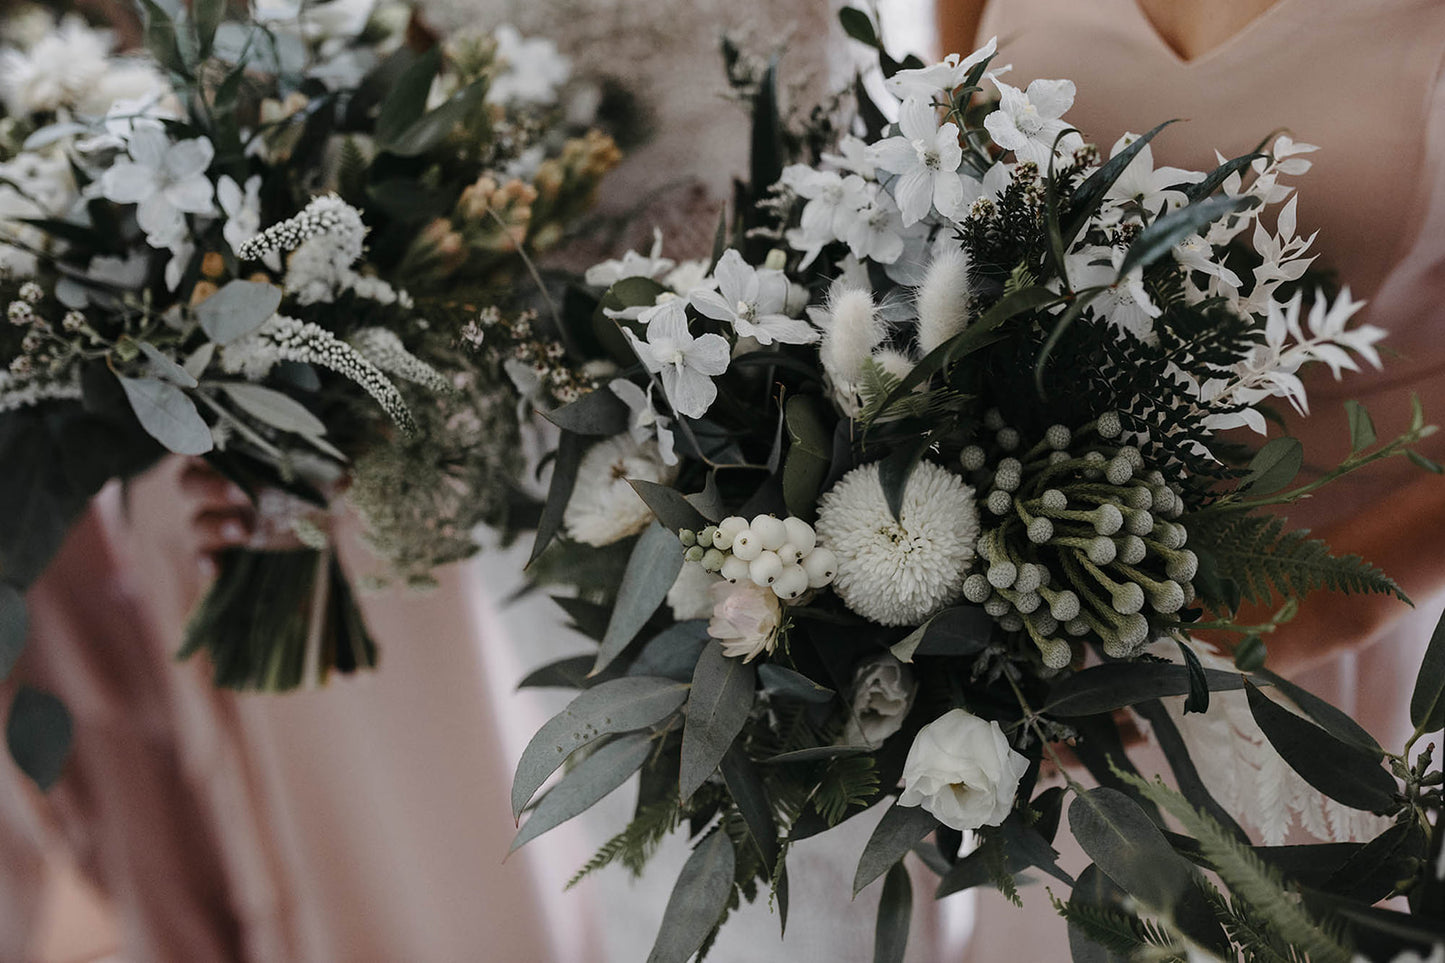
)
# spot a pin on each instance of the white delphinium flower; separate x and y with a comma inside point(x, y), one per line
point(853, 156)
point(899, 571)
point(926, 157)
point(652, 266)
point(57, 71)
point(833, 201)
point(645, 423)
point(1125, 304)
point(604, 508)
point(752, 300)
point(690, 276)
point(745, 619)
point(685, 363)
point(1144, 186)
point(944, 76)
point(1027, 122)
point(875, 231)
point(691, 594)
point(943, 298)
point(165, 180)
point(962, 770)
point(531, 69)
point(853, 329)
point(1271, 369)
point(242, 207)
point(883, 691)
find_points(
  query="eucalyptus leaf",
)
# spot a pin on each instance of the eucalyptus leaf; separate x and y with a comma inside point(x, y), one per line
point(1337, 723)
point(895, 470)
point(1017, 846)
point(656, 560)
point(897, 832)
point(207, 15)
point(766, 149)
point(622, 705)
point(164, 368)
point(1340, 770)
point(238, 309)
point(673, 652)
point(1198, 698)
point(406, 100)
point(278, 410)
point(595, 413)
point(435, 125)
point(961, 630)
point(782, 682)
point(697, 901)
point(1104, 688)
point(816, 753)
point(1362, 426)
point(199, 360)
point(595, 777)
point(670, 506)
point(809, 455)
point(1274, 466)
point(38, 733)
point(570, 448)
point(745, 785)
point(167, 415)
point(1427, 702)
point(569, 673)
point(14, 626)
point(1166, 733)
point(895, 910)
point(723, 690)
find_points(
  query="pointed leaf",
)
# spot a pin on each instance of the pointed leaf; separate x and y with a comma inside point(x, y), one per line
point(1337, 723)
point(596, 413)
point(808, 458)
point(237, 310)
point(745, 785)
point(433, 127)
point(570, 448)
point(673, 652)
point(815, 753)
point(1104, 688)
point(722, 696)
point(1166, 733)
point(670, 506)
point(1160, 237)
point(1274, 466)
point(622, 705)
point(38, 733)
point(1090, 195)
point(1427, 703)
point(782, 682)
point(857, 25)
point(569, 673)
point(895, 911)
point(406, 101)
point(595, 777)
point(1022, 847)
point(1211, 183)
point(897, 832)
point(697, 901)
point(14, 626)
point(168, 416)
point(273, 408)
point(961, 630)
point(1362, 427)
point(656, 560)
point(164, 368)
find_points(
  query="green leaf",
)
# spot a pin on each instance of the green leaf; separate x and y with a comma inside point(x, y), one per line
point(622, 705)
point(38, 733)
point(570, 448)
point(1420, 461)
point(1015, 846)
point(14, 626)
point(1160, 237)
point(167, 415)
point(1104, 688)
point(595, 777)
point(164, 368)
point(653, 567)
point(897, 832)
point(163, 38)
point(1250, 654)
point(782, 682)
point(766, 149)
point(1427, 702)
point(673, 652)
point(808, 458)
point(1362, 426)
point(670, 506)
point(1337, 723)
point(1198, 698)
point(1131, 851)
point(962, 630)
point(434, 126)
point(207, 15)
point(1166, 733)
point(1090, 195)
point(895, 911)
point(722, 696)
point(406, 101)
point(697, 901)
point(273, 408)
point(816, 753)
point(238, 309)
point(1371, 873)
point(746, 787)
point(569, 673)
point(1202, 189)
point(1338, 769)
point(895, 470)
point(596, 413)
point(857, 24)
point(1274, 466)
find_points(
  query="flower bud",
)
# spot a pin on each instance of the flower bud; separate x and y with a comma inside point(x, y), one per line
point(1054, 500)
point(1127, 598)
point(1138, 522)
point(1108, 425)
point(1182, 566)
point(1056, 652)
point(1002, 574)
point(1064, 605)
point(1040, 530)
point(1029, 579)
point(999, 502)
point(1058, 437)
point(977, 589)
point(972, 458)
point(1027, 602)
point(1009, 474)
point(992, 419)
point(1107, 519)
point(997, 606)
point(1132, 549)
point(1008, 438)
point(1010, 622)
point(1102, 551)
point(1118, 471)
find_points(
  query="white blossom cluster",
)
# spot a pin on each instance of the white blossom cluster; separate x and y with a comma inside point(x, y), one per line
point(325, 240)
point(17, 392)
point(383, 348)
point(781, 554)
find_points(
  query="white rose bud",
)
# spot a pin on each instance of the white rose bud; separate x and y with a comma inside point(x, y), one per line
point(963, 771)
point(883, 690)
point(771, 531)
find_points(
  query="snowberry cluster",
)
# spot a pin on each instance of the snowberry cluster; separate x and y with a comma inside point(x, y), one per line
point(1082, 539)
point(778, 553)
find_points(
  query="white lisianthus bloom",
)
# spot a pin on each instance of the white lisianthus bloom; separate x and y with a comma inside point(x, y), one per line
point(833, 201)
point(686, 364)
point(604, 508)
point(631, 265)
point(745, 619)
point(962, 770)
point(166, 181)
point(883, 691)
point(691, 594)
point(532, 69)
point(645, 423)
point(752, 300)
point(926, 158)
point(899, 571)
point(943, 76)
point(1027, 122)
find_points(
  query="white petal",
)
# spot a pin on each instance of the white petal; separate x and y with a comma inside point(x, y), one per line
point(914, 192)
point(1052, 97)
point(787, 330)
point(192, 194)
point(895, 154)
point(691, 394)
point(148, 145)
point(159, 218)
point(667, 320)
point(1000, 127)
point(189, 158)
point(947, 193)
point(228, 193)
point(917, 120)
point(709, 354)
point(128, 182)
point(733, 276)
point(711, 304)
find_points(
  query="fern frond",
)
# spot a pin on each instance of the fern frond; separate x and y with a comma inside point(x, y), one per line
point(634, 846)
point(1256, 940)
point(1117, 931)
point(852, 781)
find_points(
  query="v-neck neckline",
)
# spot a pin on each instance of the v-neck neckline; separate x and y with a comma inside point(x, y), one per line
point(1221, 49)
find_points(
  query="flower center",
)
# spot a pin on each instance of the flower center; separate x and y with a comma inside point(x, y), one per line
point(928, 155)
point(747, 311)
point(1028, 120)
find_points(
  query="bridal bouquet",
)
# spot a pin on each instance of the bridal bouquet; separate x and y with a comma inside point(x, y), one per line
point(354, 347)
point(915, 495)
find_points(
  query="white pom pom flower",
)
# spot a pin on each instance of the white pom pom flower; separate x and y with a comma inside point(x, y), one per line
point(899, 571)
point(604, 508)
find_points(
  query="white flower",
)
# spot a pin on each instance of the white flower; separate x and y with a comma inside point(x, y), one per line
point(686, 364)
point(1027, 122)
point(1144, 185)
point(691, 594)
point(604, 508)
point(926, 158)
point(854, 155)
point(531, 69)
point(899, 571)
point(944, 76)
point(1437, 955)
point(753, 301)
point(58, 71)
point(883, 690)
point(645, 423)
point(1125, 304)
point(631, 265)
point(833, 201)
point(875, 230)
point(241, 207)
point(963, 771)
point(745, 619)
point(166, 181)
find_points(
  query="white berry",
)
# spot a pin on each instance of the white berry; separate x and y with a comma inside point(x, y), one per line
point(792, 583)
point(734, 568)
point(801, 534)
point(747, 546)
point(821, 566)
point(765, 569)
point(770, 530)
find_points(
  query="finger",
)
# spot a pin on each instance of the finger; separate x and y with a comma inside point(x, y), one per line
point(218, 531)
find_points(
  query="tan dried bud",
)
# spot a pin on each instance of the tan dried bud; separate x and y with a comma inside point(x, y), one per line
point(202, 290)
point(213, 265)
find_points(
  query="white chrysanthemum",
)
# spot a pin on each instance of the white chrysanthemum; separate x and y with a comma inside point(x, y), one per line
point(899, 571)
point(604, 508)
point(691, 594)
